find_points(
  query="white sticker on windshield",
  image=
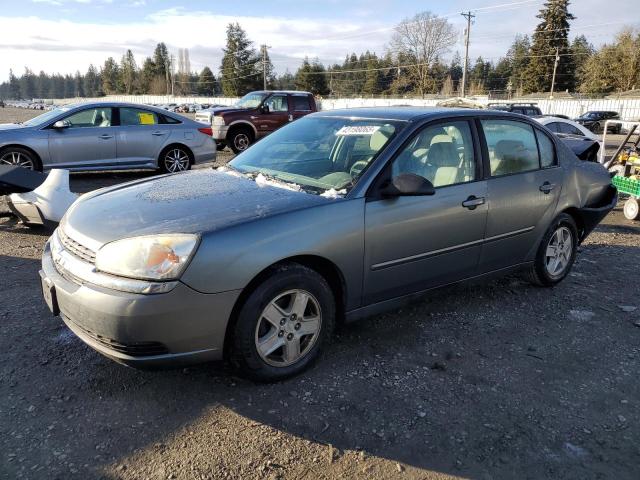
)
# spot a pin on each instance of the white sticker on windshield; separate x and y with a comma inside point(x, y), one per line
point(357, 130)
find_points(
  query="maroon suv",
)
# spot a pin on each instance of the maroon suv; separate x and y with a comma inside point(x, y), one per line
point(255, 115)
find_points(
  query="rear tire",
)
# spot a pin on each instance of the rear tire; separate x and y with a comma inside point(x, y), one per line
point(556, 253)
point(175, 159)
point(283, 324)
point(239, 139)
point(631, 209)
point(20, 157)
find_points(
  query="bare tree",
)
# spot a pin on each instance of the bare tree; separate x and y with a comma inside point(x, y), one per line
point(423, 39)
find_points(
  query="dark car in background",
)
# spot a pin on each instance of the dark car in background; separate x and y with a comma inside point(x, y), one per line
point(528, 109)
point(335, 217)
point(256, 115)
point(594, 120)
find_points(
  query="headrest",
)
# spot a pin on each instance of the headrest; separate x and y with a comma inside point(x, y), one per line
point(443, 154)
point(441, 139)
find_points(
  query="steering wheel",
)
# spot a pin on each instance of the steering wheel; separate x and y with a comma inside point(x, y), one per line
point(357, 168)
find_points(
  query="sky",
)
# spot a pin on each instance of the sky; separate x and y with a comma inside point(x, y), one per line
point(67, 35)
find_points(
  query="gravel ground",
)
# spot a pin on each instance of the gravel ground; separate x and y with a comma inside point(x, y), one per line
point(496, 380)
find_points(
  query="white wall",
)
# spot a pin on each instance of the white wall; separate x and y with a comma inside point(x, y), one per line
point(629, 108)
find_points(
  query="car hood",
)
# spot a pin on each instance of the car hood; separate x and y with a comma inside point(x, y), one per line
point(200, 201)
point(11, 126)
point(217, 110)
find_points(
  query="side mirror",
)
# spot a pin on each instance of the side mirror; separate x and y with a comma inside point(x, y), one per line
point(264, 108)
point(408, 185)
point(61, 124)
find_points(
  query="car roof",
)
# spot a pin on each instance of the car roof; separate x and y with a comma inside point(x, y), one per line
point(116, 104)
point(410, 113)
point(291, 92)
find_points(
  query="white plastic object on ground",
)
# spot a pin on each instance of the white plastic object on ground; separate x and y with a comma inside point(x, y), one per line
point(47, 203)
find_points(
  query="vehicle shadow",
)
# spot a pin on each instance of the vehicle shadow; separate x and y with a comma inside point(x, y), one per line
point(494, 380)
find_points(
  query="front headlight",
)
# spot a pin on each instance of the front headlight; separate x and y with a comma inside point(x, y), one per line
point(153, 257)
point(217, 120)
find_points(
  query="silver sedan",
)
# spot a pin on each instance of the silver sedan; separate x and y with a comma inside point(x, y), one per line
point(107, 136)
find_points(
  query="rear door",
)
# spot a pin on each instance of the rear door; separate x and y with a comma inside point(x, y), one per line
point(299, 105)
point(523, 189)
point(141, 136)
point(415, 243)
point(89, 140)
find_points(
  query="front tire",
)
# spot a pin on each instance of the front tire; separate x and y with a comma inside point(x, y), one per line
point(556, 253)
point(19, 157)
point(239, 139)
point(283, 325)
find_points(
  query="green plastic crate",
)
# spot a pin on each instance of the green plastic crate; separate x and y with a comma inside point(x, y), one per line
point(627, 185)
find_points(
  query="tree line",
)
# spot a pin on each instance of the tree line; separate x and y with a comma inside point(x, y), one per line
point(412, 65)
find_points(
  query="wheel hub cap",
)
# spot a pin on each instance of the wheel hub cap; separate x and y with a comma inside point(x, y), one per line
point(559, 251)
point(176, 160)
point(16, 159)
point(288, 328)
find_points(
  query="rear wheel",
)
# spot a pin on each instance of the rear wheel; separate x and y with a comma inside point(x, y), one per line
point(283, 324)
point(556, 253)
point(239, 139)
point(19, 157)
point(595, 128)
point(631, 209)
point(175, 159)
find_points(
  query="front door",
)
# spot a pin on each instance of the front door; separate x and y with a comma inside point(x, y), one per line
point(88, 140)
point(415, 243)
point(277, 116)
point(524, 188)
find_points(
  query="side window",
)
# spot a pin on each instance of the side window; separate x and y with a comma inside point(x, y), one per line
point(554, 127)
point(443, 154)
point(512, 147)
point(134, 116)
point(166, 120)
point(547, 150)
point(93, 117)
point(301, 103)
point(277, 103)
point(569, 129)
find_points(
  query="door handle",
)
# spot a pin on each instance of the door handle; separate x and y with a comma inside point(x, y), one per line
point(472, 202)
point(158, 134)
point(105, 136)
point(546, 187)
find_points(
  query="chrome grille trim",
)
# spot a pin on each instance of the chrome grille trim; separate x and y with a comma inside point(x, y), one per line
point(76, 248)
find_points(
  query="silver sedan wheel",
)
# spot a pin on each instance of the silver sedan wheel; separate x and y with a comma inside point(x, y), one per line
point(176, 160)
point(17, 159)
point(288, 328)
point(559, 251)
point(241, 141)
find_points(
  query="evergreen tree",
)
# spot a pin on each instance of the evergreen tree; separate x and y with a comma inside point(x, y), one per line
point(206, 83)
point(581, 50)
point(311, 77)
point(373, 76)
point(78, 87)
point(128, 72)
point(551, 36)
point(110, 74)
point(240, 64)
point(90, 82)
point(27, 84)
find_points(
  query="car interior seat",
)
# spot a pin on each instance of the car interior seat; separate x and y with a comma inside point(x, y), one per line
point(512, 157)
point(445, 161)
point(101, 120)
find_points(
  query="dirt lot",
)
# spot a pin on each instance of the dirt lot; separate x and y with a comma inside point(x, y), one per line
point(497, 380)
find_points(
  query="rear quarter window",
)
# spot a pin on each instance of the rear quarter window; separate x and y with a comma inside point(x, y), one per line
point(547, 150)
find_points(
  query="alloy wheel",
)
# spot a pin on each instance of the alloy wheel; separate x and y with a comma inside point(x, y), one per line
point(176, 160)
point(559, 251)
point(288, 328)
point(17, 159)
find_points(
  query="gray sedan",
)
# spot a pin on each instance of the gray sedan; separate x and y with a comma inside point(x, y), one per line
point(106, 136)
point(335, 217)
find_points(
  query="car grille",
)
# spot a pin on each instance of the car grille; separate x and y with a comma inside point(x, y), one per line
point(76, 248)
point(137, 349)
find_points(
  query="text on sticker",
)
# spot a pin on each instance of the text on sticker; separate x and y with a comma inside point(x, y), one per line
point(357, 130)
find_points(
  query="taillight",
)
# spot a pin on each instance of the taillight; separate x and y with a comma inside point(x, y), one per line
point(206, 130)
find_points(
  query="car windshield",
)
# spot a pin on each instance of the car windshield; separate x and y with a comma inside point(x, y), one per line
point(251, 100)
point(318, 154)
point(591, 115)
point(45, 117)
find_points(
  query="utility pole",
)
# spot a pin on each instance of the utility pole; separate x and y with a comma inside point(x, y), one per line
point(555, 67)
point(264, 66)
point(468, 16)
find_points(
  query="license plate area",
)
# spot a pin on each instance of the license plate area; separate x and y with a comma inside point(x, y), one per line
point(49, 294)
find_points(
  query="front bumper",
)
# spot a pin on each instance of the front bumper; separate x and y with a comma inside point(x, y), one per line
point(219, 132)
point(179, 327)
